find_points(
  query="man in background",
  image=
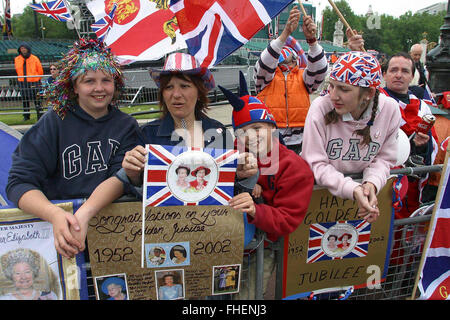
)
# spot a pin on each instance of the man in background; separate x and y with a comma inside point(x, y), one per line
point(27, 64)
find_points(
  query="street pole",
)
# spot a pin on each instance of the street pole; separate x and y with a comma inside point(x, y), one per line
point(36, 27)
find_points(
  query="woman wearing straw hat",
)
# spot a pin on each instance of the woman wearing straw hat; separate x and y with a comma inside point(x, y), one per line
point(353, 129)
point(77, 145)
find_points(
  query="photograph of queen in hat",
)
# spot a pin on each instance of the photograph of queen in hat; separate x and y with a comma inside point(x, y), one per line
point(112, 287)
point(345, 244)
point(200, 173)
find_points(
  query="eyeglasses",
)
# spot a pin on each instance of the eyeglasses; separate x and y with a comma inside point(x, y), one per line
point(53, 69)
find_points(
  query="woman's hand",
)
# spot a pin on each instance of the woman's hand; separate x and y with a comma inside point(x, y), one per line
point(366, 199)
point(133, 163)
point(243, 202)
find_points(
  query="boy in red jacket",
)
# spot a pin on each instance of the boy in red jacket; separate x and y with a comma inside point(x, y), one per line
point(285, 179)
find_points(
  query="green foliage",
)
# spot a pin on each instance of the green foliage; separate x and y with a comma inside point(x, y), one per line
point(24, 26)
point(393, 34)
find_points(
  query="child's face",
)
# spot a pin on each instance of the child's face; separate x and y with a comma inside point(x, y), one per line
point(95, 91)
point(346, 98)
point(257, 138)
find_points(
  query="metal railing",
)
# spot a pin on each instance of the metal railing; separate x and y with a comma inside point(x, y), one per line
point(139, 90)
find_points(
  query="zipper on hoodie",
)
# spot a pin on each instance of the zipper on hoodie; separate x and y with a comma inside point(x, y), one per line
point(286, 98)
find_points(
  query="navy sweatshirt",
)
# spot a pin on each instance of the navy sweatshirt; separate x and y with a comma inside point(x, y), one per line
point(68, 159)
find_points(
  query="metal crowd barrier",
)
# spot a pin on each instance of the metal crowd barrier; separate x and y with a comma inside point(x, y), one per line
point(405, 254)
point(409, 236)
point(139, 89)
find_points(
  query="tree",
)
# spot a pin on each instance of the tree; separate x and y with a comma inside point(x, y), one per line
point(390, 35)
point(23, 26)
point(330, 17)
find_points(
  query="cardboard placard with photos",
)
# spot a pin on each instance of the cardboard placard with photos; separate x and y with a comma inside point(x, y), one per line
point(334, 248)
point(186, 250)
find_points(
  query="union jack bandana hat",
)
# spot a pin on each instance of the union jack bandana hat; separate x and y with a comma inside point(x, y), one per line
point(285, 53)
point(247, 109)
point(358, 69)
point(184, 63)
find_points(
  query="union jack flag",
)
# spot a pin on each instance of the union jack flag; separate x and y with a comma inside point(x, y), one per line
point(161, 176)
point(7, 29)
point(338, 240)
point(53, 9)
point(261, 114)
point(434, 282)
point(102, 26)
point(428, 97)
point(213, 29)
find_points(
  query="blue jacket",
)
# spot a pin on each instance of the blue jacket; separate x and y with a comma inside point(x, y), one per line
point(67, 159)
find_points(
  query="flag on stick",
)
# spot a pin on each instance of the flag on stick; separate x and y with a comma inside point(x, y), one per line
point(213, 29)
point(7, 28)
point(53, 9)
point(434, 272)
point(102, 26)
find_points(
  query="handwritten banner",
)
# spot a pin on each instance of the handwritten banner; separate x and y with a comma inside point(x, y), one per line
point(187, 250)
point(334, 248)
point(27, 249)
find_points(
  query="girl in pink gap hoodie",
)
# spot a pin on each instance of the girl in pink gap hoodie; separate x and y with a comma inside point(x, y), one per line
point(353, 129)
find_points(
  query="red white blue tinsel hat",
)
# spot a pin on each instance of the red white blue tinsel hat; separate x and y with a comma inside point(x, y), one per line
point(357, 68)
point(184, 63)
point(84, 56)
point(247, 109)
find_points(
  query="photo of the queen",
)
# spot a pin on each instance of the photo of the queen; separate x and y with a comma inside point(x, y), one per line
point(199, 173)
point(182, 173)
point(27, 276)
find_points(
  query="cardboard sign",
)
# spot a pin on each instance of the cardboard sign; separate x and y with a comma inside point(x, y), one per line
point(333, 248)
point(27, 248)
point(186, 251)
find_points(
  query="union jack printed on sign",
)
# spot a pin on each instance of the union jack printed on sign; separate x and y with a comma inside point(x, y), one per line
point(177, 176)
point(338, 240)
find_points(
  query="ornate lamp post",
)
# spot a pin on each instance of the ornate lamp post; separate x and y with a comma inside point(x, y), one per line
point(438, 59)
